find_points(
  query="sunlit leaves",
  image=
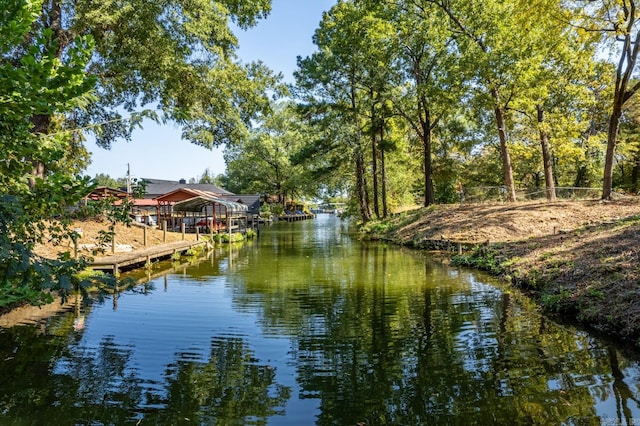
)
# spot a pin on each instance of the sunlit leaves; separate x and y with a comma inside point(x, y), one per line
point(35, 82)
point(263, 162)
point(177, 56)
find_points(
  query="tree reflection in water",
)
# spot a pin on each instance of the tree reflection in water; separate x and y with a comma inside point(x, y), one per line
point(102, 386)
point(354, 333)
point(388, 351)
point(231, 388)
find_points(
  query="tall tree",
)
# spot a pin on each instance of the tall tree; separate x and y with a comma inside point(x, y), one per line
point(330, 80)
point(173, 57)
point(352, 78)
point(263, 163)
point(431, 66)
point(378, 75)
point(553, 92)
point(486, 33)
point(36, 83)
point(207, 177)
point(619, 20)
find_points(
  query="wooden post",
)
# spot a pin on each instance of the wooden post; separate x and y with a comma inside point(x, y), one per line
point(213, 214)
point(144, 235)
point(164, 231)
point(197, 233)
point(182, 229)
point(459, 248)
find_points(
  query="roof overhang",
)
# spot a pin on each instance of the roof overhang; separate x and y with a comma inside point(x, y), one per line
point(197, 204)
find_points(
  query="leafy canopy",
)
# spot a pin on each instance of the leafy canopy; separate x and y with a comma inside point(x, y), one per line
point(39, 83)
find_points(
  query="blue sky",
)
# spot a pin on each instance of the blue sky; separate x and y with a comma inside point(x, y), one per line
point(158, 151)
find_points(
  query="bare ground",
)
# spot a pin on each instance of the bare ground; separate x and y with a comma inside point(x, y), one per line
point(132, 236)
point(578, 258)
point(512, 222)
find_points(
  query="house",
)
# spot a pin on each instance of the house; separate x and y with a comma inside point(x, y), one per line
point(158, 187)
point(252, 201)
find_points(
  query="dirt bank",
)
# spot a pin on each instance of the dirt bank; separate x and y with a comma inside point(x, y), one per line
point(127, 237)
point(578, 258)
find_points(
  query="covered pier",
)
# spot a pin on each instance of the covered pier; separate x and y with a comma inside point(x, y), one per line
point(213, 214)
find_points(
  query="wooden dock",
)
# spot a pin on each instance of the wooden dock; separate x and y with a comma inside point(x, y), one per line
point(118, 262)
point(295, 217)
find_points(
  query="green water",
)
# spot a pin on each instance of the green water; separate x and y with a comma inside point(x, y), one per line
point(305, 326)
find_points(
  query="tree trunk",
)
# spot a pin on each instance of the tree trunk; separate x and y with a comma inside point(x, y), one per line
point(52, 19)
point(361, 183)
point(429, 193)
point(504, 149)
point(383, 174)
point(622, 92)
point(365, 186)
point(41, 124)
point(374, 159)
point(635, 173)
point(546, 157)
point(365, 214)
point(612, 135)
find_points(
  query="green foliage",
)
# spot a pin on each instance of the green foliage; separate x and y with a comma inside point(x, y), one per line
point(11, 295)
point(38, 87)
point(445, 193)
point(276, 209)
point(263, 163)
point(558, 301)
point(102, 179)
point(265, 209)
point(88, 274)
point(196, 251)
point(175, 57)
point(481, 257)
point(207, 177)
point(447, 72)
point(235, 237)
point(375, 227)
point(627, 172)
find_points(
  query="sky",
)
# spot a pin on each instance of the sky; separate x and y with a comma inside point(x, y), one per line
point(157, 151)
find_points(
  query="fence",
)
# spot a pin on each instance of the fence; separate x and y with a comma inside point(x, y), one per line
point(483, 194)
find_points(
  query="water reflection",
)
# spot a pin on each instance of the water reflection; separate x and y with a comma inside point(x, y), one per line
point(103, 385)
point(308, 326)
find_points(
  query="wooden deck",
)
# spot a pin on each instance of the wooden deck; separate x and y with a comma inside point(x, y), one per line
point(295, 217)
point(118, 262)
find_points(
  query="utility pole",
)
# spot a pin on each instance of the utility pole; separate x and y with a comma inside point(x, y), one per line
point(128, 179)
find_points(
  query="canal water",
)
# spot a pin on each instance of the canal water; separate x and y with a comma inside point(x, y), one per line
point(308, 326)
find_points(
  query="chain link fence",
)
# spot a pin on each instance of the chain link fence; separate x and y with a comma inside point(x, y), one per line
point(490, 194)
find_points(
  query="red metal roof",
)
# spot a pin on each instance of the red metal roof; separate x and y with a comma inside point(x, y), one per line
point(182, 194)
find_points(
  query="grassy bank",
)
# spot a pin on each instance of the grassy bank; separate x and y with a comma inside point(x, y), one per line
point(577, 259)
